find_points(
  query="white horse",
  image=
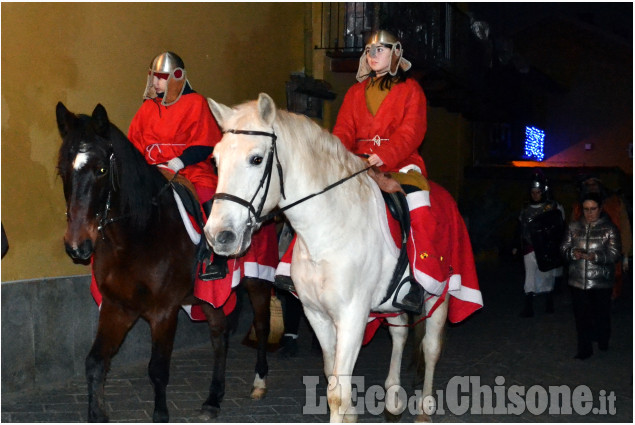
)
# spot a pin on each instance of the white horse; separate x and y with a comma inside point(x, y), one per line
point(343, 259)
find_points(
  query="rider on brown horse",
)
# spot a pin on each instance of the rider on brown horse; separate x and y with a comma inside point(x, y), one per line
point(175, 129)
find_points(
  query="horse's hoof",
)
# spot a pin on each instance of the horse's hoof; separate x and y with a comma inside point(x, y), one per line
point(208, 413)
point(349, 418)
point(258, 393)
point(98, 418)
point(160, 417)
point(389, 417)
point(423, 418)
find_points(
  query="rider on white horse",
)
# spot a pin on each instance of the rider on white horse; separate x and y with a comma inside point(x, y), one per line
point(383, 118)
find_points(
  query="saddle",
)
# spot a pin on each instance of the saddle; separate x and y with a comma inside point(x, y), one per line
point(187, 193)
point(394, 196)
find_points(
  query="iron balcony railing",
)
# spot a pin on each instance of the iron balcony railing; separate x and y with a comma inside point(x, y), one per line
point(431, 33)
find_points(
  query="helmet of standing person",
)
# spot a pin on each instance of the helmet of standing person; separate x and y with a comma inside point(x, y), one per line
point(539, 181)
point(169, 66)
point(388, 40)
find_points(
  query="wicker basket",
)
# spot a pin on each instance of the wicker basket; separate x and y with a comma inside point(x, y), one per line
point(276, 328)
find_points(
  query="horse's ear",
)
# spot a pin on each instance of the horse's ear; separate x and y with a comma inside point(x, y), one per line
point(63, 116)
point(266, 108)
point(220, 111)
point(101, 125)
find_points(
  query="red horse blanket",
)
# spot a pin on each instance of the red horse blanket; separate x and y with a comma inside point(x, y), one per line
point(451, 242)
point(259, 262)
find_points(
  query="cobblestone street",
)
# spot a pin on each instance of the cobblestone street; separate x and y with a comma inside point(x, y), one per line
point(495, 347)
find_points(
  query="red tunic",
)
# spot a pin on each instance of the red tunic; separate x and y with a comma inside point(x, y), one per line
point(439, 247)
point(161, 133)
point(400, 124)
point(164, 132)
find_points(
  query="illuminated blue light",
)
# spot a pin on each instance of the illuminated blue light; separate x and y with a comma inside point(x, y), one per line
point(534, 143)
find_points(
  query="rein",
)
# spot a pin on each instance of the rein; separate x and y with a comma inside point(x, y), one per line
point(326, 189)
point(114, 187)
point(266, 179)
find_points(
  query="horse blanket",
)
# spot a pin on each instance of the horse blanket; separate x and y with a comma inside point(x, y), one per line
point(260, 262)
point(452, 243)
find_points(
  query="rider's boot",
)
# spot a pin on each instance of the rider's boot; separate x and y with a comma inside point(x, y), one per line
point(284, 282)
point(214, 270)
point(413, 301)
point(214, 266)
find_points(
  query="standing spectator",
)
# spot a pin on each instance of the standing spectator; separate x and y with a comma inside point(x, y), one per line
point(592, 247)
point(615, 208)
point(536, 220)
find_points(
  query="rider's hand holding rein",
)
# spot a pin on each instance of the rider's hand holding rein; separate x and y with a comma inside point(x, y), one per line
point(375, 160)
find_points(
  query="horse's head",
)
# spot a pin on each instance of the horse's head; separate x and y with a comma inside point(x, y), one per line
point(248, 174)
point(86, 169)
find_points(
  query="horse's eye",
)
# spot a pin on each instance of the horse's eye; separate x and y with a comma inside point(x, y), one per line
point(102, 171)
point(255, 160)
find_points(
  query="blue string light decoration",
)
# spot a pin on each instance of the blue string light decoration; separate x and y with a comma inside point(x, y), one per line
point(534, 143)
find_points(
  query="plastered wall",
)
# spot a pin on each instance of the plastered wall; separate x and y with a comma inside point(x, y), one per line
point(88, 53)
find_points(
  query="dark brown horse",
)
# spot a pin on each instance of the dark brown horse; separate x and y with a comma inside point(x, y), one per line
point(120, 215)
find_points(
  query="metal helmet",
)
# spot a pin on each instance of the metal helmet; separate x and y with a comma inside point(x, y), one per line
point(539, 181)
point(169, 66)
point(386, 39)
point(539, 184)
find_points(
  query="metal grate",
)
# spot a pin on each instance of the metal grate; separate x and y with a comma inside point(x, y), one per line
point(432, 33)
point(345, 26)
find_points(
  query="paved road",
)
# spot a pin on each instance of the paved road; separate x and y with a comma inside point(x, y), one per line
point(494, 350)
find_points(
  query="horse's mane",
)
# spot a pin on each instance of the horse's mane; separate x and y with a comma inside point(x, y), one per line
point(135, 181)
point(313, 144)
point(139, 182)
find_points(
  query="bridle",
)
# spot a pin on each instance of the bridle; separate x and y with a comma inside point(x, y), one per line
point(255, 216)
point(114, 187)
point(254, 213)
point(102, 217)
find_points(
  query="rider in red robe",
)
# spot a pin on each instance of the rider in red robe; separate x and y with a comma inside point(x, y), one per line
point(383, 118)
point(175, 128)
point(181, 135)
point(393, 133)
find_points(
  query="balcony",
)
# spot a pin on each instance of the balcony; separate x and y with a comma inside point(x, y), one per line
point(454, 57)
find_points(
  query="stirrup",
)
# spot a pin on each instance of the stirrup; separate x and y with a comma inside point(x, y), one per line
point(283, 282)
point(413, 301)
point(212, 271)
